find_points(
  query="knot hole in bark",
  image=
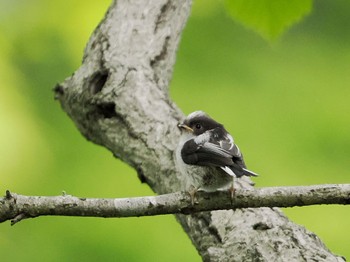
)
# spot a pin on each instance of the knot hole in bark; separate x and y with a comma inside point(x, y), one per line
point(58, 90)
point(261, 226)
point(107, 110)
point(97, 81)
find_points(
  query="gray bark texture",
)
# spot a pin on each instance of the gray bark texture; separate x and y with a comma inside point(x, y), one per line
point(119, 99)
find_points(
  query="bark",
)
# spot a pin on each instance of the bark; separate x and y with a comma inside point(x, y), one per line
point(119, 99)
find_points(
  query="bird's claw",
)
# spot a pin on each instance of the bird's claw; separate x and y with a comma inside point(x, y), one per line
point(232, 192)
point(192, 191)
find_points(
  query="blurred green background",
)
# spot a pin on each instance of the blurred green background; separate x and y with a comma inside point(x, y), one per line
point(286, 103)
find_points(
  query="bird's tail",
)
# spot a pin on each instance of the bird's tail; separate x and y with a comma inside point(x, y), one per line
point(249, 173)
point(237, 171)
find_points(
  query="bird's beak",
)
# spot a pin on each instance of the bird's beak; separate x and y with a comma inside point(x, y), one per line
point(185, 127)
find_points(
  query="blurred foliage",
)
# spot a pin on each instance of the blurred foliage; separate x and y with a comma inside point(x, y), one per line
point(270, 18)
point(287, 105)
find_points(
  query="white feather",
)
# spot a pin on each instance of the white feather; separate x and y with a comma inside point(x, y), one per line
point(203, 138)
point(228, 171)
point(230, 138)
point(217, 150)
point(196, 114)
point(251, 172)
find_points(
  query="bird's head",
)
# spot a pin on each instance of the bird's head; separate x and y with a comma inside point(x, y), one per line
point(197, 123)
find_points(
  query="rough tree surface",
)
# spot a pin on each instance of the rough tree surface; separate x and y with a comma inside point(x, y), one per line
point(119, 98)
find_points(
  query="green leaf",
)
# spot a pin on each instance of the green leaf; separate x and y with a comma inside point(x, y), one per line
point(269, 18)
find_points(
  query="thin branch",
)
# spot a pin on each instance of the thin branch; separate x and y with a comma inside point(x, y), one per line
point(16, 207)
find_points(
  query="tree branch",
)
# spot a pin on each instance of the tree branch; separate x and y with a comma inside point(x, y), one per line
point(16, 207)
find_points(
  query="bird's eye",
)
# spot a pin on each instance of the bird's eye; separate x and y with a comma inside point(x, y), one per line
point(198, 126)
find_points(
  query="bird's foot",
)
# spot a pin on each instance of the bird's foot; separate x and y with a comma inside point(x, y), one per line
point(232, 189)
point(232, 192)
point(192, 191)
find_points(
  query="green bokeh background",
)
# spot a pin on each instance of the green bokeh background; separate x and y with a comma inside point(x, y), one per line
point(286, 103)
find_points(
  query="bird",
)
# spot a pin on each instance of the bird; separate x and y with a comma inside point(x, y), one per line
point(207, 156)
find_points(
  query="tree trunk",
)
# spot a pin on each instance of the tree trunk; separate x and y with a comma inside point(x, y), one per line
point(119, 99)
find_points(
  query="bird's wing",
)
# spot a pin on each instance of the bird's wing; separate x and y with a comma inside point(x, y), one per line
point(213, 148)
point(205, 154)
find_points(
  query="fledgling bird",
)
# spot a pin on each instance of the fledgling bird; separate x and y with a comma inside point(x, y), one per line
point(205, 145)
